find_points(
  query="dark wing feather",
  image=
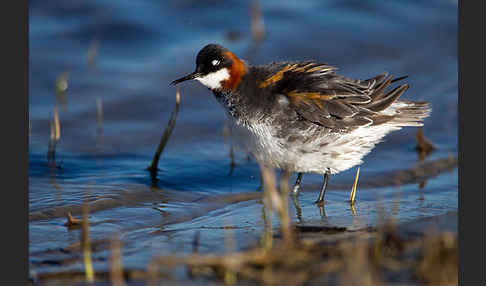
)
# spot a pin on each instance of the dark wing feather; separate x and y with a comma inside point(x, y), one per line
point(321, 96)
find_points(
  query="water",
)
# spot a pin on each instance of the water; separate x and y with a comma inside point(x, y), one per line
point(138, 47)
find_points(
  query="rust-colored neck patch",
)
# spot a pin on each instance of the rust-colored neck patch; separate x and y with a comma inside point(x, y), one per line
point(237, 71)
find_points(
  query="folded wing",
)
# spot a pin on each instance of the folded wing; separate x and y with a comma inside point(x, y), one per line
point(323, 97)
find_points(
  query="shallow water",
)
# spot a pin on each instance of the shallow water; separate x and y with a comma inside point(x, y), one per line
point(140, 46)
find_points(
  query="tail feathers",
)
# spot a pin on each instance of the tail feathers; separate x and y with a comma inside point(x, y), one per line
point(379, 91)
point(412, 113)
point(377, 80)
point(404, 113)
point(386, 107)
point(381, 83)
point(380, 104)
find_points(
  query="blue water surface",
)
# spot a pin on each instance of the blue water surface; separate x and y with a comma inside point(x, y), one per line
point(125, 53)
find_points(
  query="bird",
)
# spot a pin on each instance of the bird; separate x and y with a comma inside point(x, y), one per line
point(302, 116)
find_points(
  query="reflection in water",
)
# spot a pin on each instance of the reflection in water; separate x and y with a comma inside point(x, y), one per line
point(422, 184)
point(161, 203)
point(154, 181)
point(195, 241)
point(421, 198)
point(322, 211)
point(53, 139)
point(356, 221)
point(51, 148)
point(53, 181)
point(158, 206)
point(195, 250)
point(424, 148)
point(353, 210)
point(397, 198)
point(298, 210)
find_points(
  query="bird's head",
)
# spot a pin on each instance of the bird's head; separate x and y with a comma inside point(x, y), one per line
point(217, 68)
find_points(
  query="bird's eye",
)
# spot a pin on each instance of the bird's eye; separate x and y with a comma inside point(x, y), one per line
point(215, 62)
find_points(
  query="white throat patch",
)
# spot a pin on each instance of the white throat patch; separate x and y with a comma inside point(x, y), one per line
point(213, 80)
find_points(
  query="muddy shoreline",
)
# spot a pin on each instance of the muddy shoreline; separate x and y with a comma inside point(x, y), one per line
point(419, 251)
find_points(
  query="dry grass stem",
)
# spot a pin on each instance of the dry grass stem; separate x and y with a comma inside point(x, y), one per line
point(268, 183)
point(438, 264)
point(284, 210)
point(275, 201)
point(62, 82)
point(165, 136)
point(229, 241)
point(374, 256)
point(424, 145)
point(55, 135)
point(257, 26)
point(92, 53)
point(57, 124)
point(61, 87)
point(270, 188)
point(72, 221)
point(99, 109)
point(116, 271)
point(53, 131)
point(267, 237)
point(85, 242)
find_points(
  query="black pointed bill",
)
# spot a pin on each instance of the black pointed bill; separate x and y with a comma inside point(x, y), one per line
point(187, 77)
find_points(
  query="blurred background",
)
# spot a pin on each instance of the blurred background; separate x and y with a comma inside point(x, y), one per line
point(99, 101)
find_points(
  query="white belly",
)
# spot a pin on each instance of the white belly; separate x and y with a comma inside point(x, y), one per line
point(318, 149)
point(333, 151)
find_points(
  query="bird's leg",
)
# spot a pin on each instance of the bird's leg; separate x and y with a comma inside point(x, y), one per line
point(295, 191)
point(324, 187)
